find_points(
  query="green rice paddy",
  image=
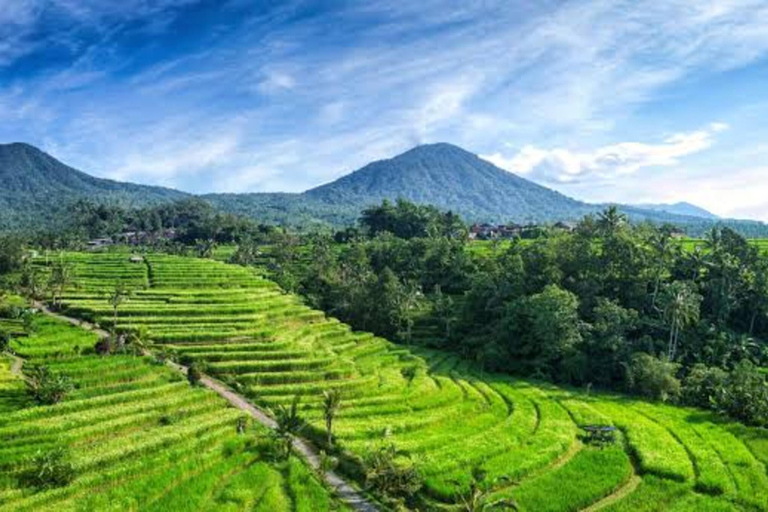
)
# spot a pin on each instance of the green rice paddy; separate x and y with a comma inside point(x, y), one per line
point(445, 413)
point(140, 438)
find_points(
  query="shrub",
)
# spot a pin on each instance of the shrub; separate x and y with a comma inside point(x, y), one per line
point(391, 474)
point(47, 387)
point(745, 395)
point(48, 469)
point(104, 347)
point(5, 341)
point(653, 378)
point(702, 385)
point(194, 374)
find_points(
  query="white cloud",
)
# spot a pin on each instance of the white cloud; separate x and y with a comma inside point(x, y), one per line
point(327, 92)
point(275, 82)
point(565, 166)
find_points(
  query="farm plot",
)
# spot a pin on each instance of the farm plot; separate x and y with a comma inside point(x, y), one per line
point(449, 417)
point(134, 436)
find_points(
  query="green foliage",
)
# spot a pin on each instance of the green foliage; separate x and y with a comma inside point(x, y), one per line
point(541, 331)
point(288, 420)
point(62, 276)
point(46, 386)
point(477, 496)
point(703, 385)
point(744, 395)
point(194, 374)
point(391, 474)
point(289, 424)
point(653, 378)
point(408, 220)
point(48, 469)
point(11, 253)
point(332, 402)
point(5, 341)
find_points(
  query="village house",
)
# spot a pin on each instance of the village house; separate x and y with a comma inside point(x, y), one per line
point(98, 243)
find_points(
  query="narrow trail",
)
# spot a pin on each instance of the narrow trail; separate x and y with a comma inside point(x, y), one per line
point(624, 490)
point(16, 365)
point(308, 451)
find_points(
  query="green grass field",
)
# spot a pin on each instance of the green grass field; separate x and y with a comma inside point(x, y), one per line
point(140, 437)
point(448, 416)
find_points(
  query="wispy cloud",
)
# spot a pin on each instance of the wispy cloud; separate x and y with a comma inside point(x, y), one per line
point(561, 165)
point(316, 90)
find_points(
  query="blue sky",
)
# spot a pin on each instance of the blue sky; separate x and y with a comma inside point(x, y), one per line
point(603, 100)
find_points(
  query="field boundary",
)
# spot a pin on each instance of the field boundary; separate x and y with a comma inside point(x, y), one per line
point(345, 491)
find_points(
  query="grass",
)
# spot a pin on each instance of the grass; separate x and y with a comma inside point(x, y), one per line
point(444, 413)
point(140, 437)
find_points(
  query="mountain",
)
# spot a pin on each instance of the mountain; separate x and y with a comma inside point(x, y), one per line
point(682, 208)
point(452, 179)
point(36, 187)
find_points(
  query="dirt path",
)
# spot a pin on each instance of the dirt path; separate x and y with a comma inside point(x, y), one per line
point(309, 452)
point(16, 365)
point(628, 487)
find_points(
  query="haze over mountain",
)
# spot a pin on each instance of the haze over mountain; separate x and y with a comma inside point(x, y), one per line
point(37, 189)
point(681, 208)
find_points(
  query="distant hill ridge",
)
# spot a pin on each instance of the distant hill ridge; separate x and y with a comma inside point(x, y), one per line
point(681, 208)
point(37, 187)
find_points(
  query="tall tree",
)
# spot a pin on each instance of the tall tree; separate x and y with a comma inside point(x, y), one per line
point(119, 294)
point(62, 276)
point(610, 221)
point(681, 309)
point(331, 407)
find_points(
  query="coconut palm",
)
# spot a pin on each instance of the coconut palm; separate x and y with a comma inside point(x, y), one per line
point(61, 277)
point(475, 497)
point(681, 309)
point(610, 220)
point(116, 298)
point(661, 243)
point(331, 406)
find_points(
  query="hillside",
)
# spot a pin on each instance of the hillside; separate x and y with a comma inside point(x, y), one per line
point(450, 178)
point(454, 179)
point(681, 208)
point(446, 414)
point(138, 436)
point(36, 187)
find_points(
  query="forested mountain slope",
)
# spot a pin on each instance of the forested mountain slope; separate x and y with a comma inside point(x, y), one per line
point(36, 188)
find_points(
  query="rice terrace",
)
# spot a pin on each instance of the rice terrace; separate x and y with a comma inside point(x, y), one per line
point(139, 433)
point(363, 256)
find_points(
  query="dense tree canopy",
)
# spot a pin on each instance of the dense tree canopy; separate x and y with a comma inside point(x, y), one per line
point(610, 304)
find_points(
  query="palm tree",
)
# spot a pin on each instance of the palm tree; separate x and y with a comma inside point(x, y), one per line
point(289, 423)
point(660, 241)
point(116, 297)
point(475, 498)
point(61, 278)
point(610, 220)
point(682, 309)
point(331, 406)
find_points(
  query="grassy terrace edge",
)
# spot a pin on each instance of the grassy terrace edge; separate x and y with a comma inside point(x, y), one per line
point(271, 347)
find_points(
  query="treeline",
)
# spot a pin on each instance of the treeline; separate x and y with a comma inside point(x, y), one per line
point(610, 305)
point(182, 226)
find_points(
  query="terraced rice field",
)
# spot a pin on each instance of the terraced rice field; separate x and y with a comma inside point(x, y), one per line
point(445, 413)
point(141, 438)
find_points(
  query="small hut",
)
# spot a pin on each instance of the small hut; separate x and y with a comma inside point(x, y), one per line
point(137, 259)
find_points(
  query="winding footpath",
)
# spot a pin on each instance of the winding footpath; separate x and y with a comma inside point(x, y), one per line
point(308, 451)
point(16, 365)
